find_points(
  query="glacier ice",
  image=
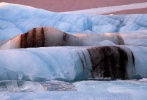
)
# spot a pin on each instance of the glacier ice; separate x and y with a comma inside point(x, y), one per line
point(47, 36)
point(49, 63)
point(26, 18)
point(73, 63)
point(114, 46)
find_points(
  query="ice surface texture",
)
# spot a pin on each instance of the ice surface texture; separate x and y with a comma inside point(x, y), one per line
point(45, 63)
point(20, 86)
point(48, 36)
point(73, 63)
point(87, 90)
point(17, 19)
point(109, 58)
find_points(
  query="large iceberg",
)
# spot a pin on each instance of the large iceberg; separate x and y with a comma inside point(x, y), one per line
point(73, 63)
point(17, 19)
point(96, 49)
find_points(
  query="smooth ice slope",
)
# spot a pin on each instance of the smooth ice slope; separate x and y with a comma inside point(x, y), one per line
point(17, 19)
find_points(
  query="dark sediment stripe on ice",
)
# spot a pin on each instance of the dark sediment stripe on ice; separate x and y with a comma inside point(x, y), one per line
point(23, 43)
point(65, 37)
point(33, 38)
point(40, 38)
point(120, 39)
point(133, 58)
point(108, 61)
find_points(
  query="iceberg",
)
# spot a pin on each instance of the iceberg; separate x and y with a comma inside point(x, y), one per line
point(21, 19)
point(48, 36)
point(50, 55)
point(45, 63)
point(73, 63)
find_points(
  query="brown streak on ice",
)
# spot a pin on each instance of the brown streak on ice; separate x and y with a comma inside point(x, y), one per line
point(108, 61)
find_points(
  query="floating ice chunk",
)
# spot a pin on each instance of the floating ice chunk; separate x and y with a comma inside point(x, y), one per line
point(20, 86)
point(54, 85)
point(143, 80)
